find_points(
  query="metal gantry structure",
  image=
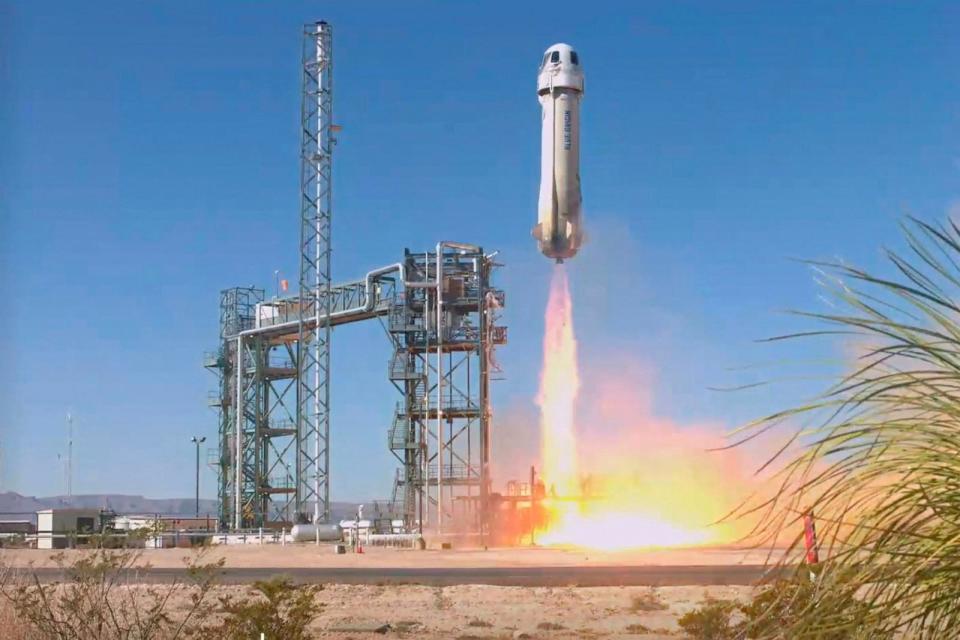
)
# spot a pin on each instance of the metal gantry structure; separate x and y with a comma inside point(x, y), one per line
point(440, 312)
point(443, 338)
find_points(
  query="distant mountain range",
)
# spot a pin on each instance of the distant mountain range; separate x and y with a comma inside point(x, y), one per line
point(14, 506)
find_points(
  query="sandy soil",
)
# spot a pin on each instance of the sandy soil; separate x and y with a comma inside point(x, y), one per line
point(472, 612)
point(307, 555)
point(475, 612)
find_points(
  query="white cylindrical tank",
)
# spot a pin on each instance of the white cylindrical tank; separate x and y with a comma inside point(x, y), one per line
point(559, 89)
point(308, 532)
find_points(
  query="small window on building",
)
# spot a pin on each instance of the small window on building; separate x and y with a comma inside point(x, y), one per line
point(574, 58)
point(555, 56)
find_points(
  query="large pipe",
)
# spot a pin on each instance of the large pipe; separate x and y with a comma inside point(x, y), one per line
point(369, 282)
point(367, 307)
point(325, 142)
point(238, 470)
point(439, 300)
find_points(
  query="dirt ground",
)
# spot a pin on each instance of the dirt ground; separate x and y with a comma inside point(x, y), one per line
point(308, 555)
point(475, 612)
point(470, 612)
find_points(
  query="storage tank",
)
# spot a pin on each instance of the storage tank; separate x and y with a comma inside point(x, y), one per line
point(308, 532)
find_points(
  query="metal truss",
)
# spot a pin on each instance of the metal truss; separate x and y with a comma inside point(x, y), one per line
point(313, 343)
point(237, 312)
point(443, 341)
point(440, 312)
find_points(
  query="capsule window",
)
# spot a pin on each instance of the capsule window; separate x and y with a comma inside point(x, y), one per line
point(574, 58)
point(555, 56)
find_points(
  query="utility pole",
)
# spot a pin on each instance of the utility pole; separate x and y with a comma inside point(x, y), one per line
point(198, 441)
point(69, 457)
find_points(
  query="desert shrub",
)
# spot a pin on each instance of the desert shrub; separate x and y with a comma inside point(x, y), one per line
point(550, 626)
point(98, 601)
point(783, 607)
point(276, 608)
point(16, 541)
point(710, 621)
point(476, 622)
point(106, 540)
point(879, 450)
point(647, 601)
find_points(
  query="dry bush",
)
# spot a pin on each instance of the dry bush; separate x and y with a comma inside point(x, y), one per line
point(710, 621)
point(103, 598)
point(647, 601)
point(779, 607)
point(276, 608)
point(100, 600)
point(476, 622)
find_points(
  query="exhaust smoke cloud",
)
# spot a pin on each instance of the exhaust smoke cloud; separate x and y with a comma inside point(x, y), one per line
point(627, 479)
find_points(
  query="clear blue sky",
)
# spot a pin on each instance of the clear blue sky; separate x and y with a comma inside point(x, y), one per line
point(148, 158)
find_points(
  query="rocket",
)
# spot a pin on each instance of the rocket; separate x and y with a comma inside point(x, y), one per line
point(559, 231)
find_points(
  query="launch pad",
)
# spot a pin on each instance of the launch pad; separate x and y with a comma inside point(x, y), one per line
point(440, 313)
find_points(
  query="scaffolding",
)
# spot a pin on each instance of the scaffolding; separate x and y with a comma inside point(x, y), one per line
point(442, 330)
point(443, 341)
point(440, 312)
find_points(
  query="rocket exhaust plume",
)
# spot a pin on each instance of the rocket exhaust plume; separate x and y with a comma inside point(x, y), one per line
point(652, 485)
point(559, 385)
point(648, 484)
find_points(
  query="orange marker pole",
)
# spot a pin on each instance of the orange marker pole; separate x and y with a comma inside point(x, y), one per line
point(810, 538)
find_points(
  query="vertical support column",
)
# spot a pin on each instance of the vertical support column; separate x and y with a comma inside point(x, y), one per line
point(484, 345)
point(313, 350)
point(439, 299)
point(238, 436)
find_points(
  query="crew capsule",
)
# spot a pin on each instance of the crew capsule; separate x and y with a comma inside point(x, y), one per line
point(559, 232)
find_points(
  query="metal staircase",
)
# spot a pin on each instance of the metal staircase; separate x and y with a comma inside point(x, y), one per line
point(401, 437)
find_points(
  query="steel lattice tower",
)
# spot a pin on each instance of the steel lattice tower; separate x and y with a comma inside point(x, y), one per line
point(440, 312)
point(313, 352)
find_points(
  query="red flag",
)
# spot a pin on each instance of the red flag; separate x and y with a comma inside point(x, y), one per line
point(284, 284)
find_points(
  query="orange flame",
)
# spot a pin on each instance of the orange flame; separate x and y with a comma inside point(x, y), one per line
point(658, 487)
point(559, 385)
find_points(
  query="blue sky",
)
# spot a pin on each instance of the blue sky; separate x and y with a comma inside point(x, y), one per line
point(149, 159)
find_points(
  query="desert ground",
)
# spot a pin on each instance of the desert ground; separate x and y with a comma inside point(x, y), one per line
point(309, 555)
point(480, 611)
point(470, 611)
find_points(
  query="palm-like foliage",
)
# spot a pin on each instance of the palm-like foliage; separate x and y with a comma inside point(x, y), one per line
point(879, 457)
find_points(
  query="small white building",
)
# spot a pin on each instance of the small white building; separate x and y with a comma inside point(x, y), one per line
point(57, 528)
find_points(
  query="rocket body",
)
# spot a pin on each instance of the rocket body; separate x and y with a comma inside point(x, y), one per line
point(559, 230)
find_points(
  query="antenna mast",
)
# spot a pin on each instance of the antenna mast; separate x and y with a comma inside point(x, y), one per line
point(69, 456)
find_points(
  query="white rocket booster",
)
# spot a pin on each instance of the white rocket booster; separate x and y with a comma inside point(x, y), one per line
point(560, 89)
